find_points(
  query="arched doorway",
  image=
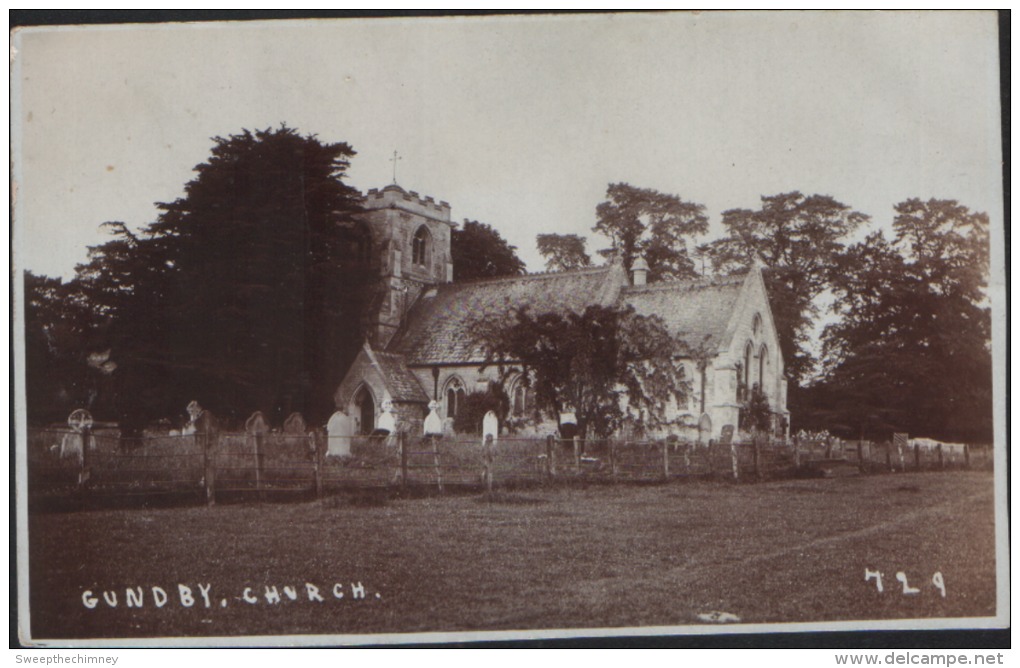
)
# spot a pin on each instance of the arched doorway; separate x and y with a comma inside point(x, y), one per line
point(365, 404)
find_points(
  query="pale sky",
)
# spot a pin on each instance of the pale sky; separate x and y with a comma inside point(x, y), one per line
point(519, 122)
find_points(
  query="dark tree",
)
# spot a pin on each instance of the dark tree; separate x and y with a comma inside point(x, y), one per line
point(798, 239)
point(479, 251)
point(563, 252)
point(241, 294)
point(911, 350)
point(641, 222)
point(589, 362)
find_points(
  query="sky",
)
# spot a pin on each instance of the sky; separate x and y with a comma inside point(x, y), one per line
point(519, 122)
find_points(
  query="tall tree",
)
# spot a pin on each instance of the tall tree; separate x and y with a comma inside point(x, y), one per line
point(241, 293)
point(911, 350)
point(609, 365)
point(479, 251)
point(641, 222)
point(563, 252)
point(798, 239)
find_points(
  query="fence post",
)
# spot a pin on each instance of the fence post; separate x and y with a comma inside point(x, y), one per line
point(796, 453)
point(756, 440)
point(550, 468)
point(942, 461)
point(612, 460)
point(734, 459)
point(435, 460)
point(966, 455)
point(86, 464)
point(577, 455)
point(488, 463)
point(402, 444)
point(917, 456)
point(204, 435)
point(888, 456)
point(665, 460)
point(860, 454)
point(316, 437)
point(258, 464)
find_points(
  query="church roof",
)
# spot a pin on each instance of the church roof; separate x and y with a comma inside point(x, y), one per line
point(695, 311)
point(438, 328)
point(400, 382)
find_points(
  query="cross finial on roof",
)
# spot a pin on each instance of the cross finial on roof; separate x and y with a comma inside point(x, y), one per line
point(394, 159)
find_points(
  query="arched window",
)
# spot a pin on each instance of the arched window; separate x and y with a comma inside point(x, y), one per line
point(519, 397)
point(748, 361)
point(420, 246)
point(365, 403)
point(763, 359)
point(756, 325)
point(454, 396)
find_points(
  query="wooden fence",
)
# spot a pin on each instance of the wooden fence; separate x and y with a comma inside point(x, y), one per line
point(221, 465)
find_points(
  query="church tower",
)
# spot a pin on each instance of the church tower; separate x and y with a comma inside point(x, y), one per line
point(411, 238)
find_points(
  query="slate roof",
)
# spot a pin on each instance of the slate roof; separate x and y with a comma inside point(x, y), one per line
point(400, 382)
point(694, 311)
point(438, 328)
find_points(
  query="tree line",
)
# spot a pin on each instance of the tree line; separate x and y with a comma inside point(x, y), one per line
point(244, 290)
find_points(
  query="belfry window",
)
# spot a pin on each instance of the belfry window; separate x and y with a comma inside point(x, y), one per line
point(420, 246)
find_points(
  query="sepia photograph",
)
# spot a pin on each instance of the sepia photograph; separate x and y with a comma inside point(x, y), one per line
point(391, 330)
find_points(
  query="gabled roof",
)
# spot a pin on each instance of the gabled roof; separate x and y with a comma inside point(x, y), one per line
point(697, 312)
point(438, 327)
point(399, 381)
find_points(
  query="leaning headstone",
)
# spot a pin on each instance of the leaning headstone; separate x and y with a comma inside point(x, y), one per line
point(295, 425)
point(339, 431)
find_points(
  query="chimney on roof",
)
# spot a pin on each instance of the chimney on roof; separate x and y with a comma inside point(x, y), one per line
point(639, 272)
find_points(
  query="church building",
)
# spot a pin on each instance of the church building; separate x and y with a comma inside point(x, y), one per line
point(419, 346)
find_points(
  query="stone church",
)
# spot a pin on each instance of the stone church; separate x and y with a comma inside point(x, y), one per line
point(419, 347)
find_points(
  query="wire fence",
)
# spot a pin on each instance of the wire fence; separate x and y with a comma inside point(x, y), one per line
point(88, 464)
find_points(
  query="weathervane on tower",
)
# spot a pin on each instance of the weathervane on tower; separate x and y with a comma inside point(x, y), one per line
point(394, 161)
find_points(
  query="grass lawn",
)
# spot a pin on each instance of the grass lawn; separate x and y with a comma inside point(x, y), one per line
point(785, 551)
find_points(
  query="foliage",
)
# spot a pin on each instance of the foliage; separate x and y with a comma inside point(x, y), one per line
point(479, 251)
point(475, 405)
point(590, 362)
point(755, 413)
point(563, 252)
point(241, 293)
point(911, 348)
point(641, 222)
point(798, 238)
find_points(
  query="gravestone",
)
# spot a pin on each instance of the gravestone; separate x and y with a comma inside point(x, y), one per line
point(386, 422)
point(71, 445)
point(433, 423)
point(704, 428)
point(194, 412)
point(339, 431)
point(295, 425)
point(490, 426)
point(256, 424)
point(726, 437)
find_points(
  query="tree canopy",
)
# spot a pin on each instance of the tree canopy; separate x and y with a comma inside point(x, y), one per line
point(236, 294)
point(588, 362)
point(910, 350)
point(563, 252)
point(641, 222)
point(479, 251)
point(798, 239)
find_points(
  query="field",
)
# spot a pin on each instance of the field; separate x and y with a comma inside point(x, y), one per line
point(600, 556)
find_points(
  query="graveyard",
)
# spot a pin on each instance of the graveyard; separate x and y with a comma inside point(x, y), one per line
point(679, 553)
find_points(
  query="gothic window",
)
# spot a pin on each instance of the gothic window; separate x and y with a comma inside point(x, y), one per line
point(748, 359)
point(454, 396)
point(420, 246)
point(519, 398)
point(756, 326)
point(763, 356)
